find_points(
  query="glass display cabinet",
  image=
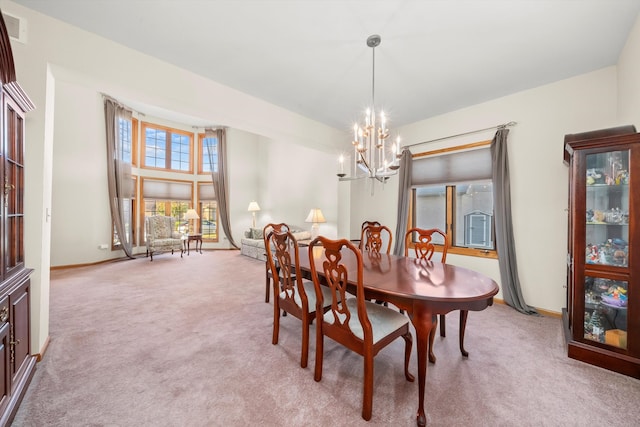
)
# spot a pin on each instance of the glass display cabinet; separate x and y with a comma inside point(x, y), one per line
point(603, 301)
point(17, 364)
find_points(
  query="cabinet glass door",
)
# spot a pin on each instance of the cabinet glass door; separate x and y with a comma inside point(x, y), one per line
point(607, 208)
point(13, 200)
point(605, 311)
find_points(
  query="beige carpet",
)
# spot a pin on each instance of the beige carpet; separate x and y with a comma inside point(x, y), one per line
point(187, 342)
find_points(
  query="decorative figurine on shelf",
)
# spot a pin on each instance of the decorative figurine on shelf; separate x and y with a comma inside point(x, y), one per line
point(619, 251)
point(587, 324)
point(589, 215)
point(603, 257)
point(598, 216)
point(619, 257)
point(619, 243)
point(592, 254)
point(594, 176)
point(597, 331)
point(616, 296)
point(611, 252)
point(622, 177)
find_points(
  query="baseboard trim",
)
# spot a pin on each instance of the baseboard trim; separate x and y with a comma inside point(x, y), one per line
point(124, 258)
point(43, 350)
point(542, 311)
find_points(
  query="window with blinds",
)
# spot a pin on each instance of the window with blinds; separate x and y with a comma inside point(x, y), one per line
point(453, 191)
point(208, 211)
point(169, 198)
point(164, 180)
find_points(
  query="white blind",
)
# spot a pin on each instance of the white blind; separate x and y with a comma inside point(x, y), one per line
point(452, 168)
point(207, 192)
point(128, 183)
point(166, 190)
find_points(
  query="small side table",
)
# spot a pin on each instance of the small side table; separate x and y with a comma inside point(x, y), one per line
point(195, 237)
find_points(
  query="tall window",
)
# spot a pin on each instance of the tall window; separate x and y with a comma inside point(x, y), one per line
point(208, 211)
point(160, 153)
point(208, 153)
point(173, 208)
point(169, 198)
point(129, 215)
point(166, 148)
point(453, 191)
point(128, 137)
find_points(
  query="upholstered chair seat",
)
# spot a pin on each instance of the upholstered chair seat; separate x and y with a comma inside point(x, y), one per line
point(161, 235)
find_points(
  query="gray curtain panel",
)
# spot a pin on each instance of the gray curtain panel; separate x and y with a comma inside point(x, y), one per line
point(118, 171)
point(504, 225)
point(404, 192)
point(220, 182)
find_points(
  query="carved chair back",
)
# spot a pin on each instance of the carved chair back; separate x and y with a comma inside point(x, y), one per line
point(423, 245)
point(374, 237)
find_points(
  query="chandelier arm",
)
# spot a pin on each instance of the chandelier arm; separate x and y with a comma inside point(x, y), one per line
point(364, 161)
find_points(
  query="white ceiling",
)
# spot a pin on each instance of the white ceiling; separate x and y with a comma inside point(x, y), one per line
point(311, 57)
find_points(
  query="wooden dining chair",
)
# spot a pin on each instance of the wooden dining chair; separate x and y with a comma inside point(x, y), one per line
point(359, 325)
point(268, 275)
point(291, 294)
point(364, 224)
point(373, 235)
point(424, 248)
point(367, 223)
point(373, 238)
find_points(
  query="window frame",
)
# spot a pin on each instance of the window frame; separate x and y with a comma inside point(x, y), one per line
point(450, 208)
point(142, 172)
point(169, 131)
point(201, 155)
point(200, 203)
point(134, 199)
point(167, 200)
point(133, 235)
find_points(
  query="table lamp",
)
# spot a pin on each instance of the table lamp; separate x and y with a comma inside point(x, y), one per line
point(253, 208)
point(315, 216)
point(191, 214)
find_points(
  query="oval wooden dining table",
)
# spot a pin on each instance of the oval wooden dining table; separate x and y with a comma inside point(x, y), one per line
point(421, 288)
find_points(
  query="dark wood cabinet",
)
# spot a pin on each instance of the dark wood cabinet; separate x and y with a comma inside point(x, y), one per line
point(17, 362)
point(18, 365)
point(602, 317)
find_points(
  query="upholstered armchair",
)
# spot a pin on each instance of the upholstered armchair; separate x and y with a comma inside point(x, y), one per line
point(161, 235)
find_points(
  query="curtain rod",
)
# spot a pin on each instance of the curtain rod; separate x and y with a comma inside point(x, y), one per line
point(502, 126)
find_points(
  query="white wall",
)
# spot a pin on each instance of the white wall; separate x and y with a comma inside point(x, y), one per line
point(629, 79)
point(293, 180)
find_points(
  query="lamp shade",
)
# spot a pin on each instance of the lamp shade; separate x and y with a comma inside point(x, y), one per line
point(253, 207)
point(315, 216)
point(191, 214)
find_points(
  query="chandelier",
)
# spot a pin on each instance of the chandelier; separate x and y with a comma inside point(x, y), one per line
point(372, 157)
